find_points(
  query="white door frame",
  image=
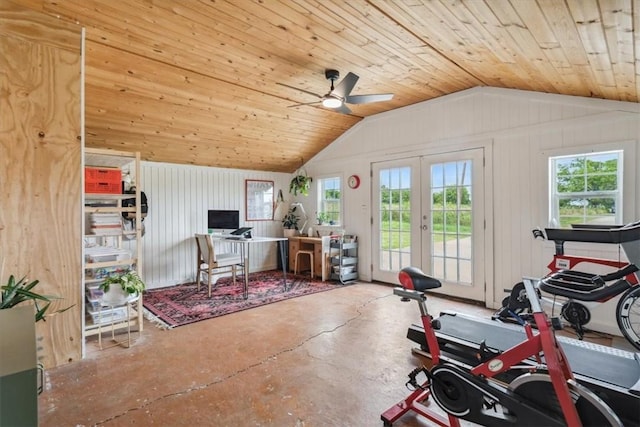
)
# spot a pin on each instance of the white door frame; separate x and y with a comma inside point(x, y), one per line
point(486, 248)
point(461, 271)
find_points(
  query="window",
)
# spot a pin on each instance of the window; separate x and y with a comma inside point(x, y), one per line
point(586, 189)
point(329, 200)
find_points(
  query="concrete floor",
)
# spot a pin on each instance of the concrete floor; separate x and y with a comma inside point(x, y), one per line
point(337, 358)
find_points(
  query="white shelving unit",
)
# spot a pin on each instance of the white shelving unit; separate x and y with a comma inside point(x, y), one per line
point(110, 248)
point(344, 264)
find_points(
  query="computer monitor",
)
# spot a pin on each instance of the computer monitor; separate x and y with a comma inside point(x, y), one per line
point(223, 219)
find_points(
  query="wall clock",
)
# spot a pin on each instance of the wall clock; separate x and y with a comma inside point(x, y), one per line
point(353, 181)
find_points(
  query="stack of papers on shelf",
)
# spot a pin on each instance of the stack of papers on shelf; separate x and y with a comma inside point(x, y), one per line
point(105, 223)
point(105, 253)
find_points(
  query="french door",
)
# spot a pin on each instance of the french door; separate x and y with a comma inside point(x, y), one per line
point(430, 214)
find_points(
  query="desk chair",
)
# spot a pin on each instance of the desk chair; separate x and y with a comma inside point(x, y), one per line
point(303, 252)
point(210, 262)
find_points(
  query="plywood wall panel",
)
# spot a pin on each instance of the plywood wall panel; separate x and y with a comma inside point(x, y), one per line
point(40, 164)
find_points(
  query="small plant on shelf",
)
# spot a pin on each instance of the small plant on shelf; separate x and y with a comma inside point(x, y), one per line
point(322, 218)
point(129, 282)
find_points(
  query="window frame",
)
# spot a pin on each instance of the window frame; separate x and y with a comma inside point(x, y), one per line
point(321, 201)
point(627, 176)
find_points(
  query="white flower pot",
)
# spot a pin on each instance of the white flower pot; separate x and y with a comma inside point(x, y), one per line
point(290, 232)
point(116, 296)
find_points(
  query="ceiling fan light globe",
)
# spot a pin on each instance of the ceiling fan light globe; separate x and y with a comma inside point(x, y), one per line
point(331, 102)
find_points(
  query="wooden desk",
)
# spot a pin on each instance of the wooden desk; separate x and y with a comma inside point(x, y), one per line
point(320, 248)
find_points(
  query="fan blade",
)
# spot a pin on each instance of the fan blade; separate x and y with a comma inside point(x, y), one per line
point(301, 90)
point(365, 99)
point(345, 87)
point(342, 109)
point(304, 103)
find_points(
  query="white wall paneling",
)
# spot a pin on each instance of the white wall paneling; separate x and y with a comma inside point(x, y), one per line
point(522, 126)
point(179, 197)
point(515, 127)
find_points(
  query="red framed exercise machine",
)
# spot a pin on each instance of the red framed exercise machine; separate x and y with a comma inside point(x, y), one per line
point(580, 290)
point(546, 393)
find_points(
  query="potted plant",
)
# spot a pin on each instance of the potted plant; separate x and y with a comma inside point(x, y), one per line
point(18, 353)
point(17, 292)
point(300, 184)
point(322, 218)
point(128, 286)
point(290, 222)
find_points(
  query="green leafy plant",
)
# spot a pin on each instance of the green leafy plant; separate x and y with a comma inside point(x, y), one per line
point(17, 292)
point(130, 282)
point(322, 218)
point(290, 220)
point(300, 184)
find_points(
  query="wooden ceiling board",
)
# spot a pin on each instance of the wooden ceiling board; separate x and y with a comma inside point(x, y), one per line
point(225, 133)
point(254, 132)
point(197, 82)
point(160, 149)
point(488, 69)
point(618, 28)
point(530, 56)
point(353, 52)
point(216, 103)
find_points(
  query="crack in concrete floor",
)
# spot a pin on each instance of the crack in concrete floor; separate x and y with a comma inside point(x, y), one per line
point(238, 372)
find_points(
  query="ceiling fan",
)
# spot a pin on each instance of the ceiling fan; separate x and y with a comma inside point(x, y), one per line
point(340, 95)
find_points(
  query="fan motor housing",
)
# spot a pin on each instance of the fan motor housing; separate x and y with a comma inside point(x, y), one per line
point(332, 74)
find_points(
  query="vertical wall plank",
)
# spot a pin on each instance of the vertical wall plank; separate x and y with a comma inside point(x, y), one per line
point(523, 127)
point(179, 197)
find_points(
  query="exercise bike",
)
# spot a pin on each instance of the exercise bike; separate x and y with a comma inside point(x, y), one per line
point(577, 289)
point(545, 393)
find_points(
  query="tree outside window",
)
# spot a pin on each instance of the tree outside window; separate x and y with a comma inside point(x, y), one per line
point(586, 189)
point(330, 200)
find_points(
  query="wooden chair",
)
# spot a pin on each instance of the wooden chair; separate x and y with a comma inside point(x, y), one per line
point(211, 263)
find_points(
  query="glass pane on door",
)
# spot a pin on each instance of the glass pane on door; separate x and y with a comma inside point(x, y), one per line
point(451, 221)
point(429, 214)
point(394, 215)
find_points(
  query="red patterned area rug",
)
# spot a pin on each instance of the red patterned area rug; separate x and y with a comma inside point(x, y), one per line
point(183, 304)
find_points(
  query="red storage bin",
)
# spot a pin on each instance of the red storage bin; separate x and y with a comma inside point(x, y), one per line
point(102, 180)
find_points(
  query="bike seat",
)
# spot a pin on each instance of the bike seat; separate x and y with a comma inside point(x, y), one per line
point(414, 278)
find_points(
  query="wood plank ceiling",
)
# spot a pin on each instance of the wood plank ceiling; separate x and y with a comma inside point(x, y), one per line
point(197, 82)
